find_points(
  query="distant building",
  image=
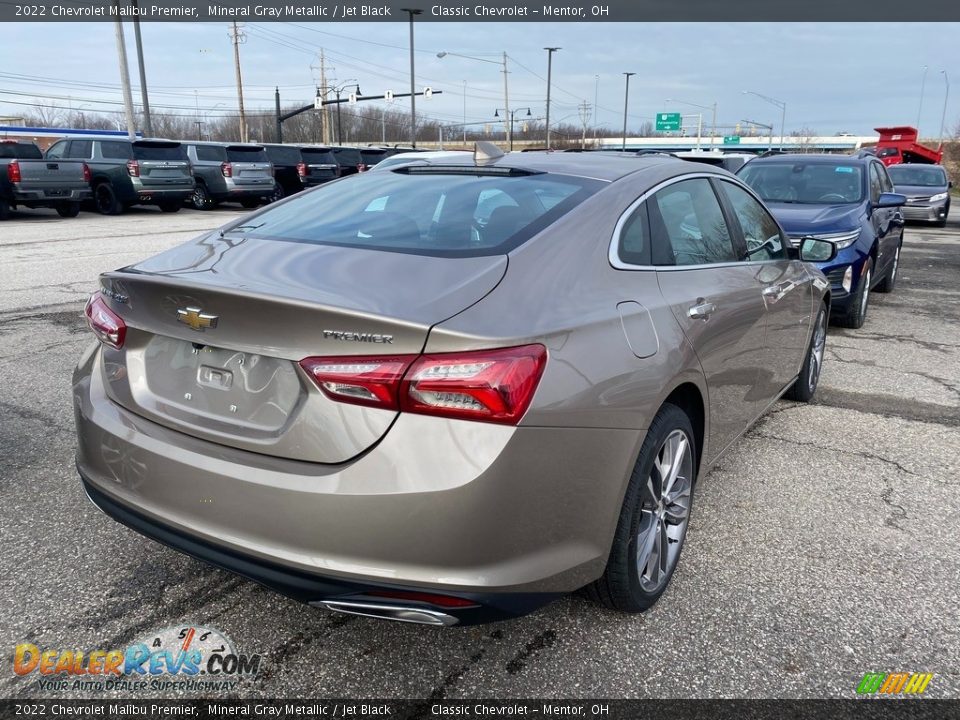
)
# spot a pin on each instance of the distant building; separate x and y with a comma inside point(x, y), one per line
point(45, 137)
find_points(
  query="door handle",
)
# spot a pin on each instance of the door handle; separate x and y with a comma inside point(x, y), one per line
point(702, 310)
point(775, 292)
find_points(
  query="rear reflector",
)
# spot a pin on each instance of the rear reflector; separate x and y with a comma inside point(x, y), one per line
point(447, 601)
point(104, 322)
point(489, 385)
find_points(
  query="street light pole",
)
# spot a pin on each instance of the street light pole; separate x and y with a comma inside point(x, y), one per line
point(464, 113)
point(626, 100)
point(946, 95)
point(783, 111)
point(502, 63)
point(550, 52)
point(923, 86)
point(413, 88)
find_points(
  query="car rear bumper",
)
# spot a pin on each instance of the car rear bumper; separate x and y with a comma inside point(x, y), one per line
point(454, 507)
point(43, 198)
point(151, 196)
point(241, 192)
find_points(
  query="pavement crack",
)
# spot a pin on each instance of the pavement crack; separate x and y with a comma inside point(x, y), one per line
point(858, 453)
point(945, 348)
point(540, 642)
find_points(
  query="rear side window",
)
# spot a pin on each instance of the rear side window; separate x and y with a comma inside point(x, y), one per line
point(116, 150)
point(247, 154)
point(80, 149)
point(314, 156)
point(429, 213)
point(283, 155)
point(211, 153)
point(634, 243)
point(688, 225)
point(159, 151)
point(22, 151)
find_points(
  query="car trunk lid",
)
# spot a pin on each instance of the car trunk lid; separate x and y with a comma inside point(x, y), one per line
point(216, 329)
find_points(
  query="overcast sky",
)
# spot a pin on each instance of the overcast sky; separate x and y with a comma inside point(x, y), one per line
point(833, 77)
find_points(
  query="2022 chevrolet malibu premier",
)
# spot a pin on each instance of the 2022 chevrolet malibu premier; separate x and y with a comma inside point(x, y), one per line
point(449, 393)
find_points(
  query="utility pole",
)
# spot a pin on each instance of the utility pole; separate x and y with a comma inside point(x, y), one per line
point(237, 36)
point(584, 119)
point(464, 113)
point(325, 113)
point(276, 107)
point(147, 124)
point(946, 96)
point(626, 101)
point(550, 52)
point(596, 109)
point(506, 103)
point(124, 72)
point(413, 89)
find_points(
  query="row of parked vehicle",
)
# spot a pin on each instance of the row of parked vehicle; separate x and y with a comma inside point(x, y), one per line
point(113, 174)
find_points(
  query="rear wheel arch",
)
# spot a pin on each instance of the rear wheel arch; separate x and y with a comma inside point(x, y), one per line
point(689, 398)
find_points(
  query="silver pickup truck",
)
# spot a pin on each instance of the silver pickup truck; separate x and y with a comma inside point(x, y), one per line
point(28, 180)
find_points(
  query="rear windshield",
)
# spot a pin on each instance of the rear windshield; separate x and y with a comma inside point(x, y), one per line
point(888, 152)
point(805, 183)
point(287, 155)
point(917, 175)
point(347, 156)
point(236, 153)
point(439, 213)
point(372, 157)
point(318, 156)
point(22, 151)
point(159, 151)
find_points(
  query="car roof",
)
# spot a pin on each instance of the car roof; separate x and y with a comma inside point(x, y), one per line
point(590, 165)
point(823, 158)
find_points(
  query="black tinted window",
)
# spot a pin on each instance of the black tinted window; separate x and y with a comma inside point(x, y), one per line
point(159, 151)
point(347, 156)
point(247, 154)
point(283, 155)
point(23, 151)
point(313, 156)
point(116, 150)
point(372, 157)
point(430, 213)
point(211, 153)
point(80, 149)
point(761, 232)
point(634, 242)
point(687, 221)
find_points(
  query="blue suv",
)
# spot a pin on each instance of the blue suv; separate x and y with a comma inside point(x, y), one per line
point(848, 200)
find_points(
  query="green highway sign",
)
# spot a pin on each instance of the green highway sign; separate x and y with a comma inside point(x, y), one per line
point(668, 121)
point(731, 139)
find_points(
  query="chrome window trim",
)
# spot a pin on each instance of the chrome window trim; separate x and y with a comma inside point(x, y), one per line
point(613, 253)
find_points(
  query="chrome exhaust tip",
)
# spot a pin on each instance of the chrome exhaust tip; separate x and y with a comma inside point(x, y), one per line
point(398, 613)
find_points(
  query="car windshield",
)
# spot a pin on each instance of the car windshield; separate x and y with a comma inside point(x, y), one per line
point(807, 183)
point(918, 175)
point(439, 211)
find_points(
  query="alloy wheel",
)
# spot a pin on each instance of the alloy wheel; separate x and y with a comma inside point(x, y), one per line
point(866, 293)
point(896, 265)
point(665, 512)
point(816, 350)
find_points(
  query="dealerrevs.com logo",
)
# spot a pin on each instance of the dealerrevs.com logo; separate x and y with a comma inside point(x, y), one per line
point(177, 658)
point(901, 683)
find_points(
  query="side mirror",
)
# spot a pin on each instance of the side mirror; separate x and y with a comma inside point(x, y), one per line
point(816, 250)
point(888, 200)
point(949, 183)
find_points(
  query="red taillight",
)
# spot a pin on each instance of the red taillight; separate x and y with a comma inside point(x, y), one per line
point(226, 169)
point(104, 322)
point(303, 169)
point(87, 176)
point(432, 598)
point(367, 380)
point(13, 172)
point(488, 385)
point(133, 168)
point(362, 167)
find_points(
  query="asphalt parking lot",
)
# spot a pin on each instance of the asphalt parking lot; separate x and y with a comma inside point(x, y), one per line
point(822, 547)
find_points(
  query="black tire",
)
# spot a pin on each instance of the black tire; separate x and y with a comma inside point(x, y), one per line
point(200, 199)
point(805, 387)
point(251, 203)
point(623, 586)
point(4, 209)
point(170, 207)
point(889, 282)
point(857, 313)
point(105, 199)
point(68, 209)
point(278, 194)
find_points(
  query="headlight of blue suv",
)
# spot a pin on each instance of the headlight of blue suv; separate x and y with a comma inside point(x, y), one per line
point(841, 240)
point(938, 197)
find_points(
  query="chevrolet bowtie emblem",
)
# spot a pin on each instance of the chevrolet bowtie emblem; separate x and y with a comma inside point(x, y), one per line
point(196, 318)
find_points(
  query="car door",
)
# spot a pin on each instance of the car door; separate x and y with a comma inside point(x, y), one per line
point(714, 296)
point(885, 222)
point(785, 286)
